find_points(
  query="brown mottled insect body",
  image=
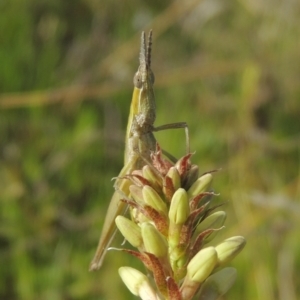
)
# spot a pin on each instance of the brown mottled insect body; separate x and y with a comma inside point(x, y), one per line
point(139, 140)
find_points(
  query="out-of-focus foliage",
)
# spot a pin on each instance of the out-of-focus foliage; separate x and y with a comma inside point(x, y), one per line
point(229, 68)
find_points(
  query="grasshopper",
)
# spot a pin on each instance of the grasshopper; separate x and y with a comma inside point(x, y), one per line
point(139, 143)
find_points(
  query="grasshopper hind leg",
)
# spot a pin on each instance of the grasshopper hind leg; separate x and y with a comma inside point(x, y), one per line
point(177, 125)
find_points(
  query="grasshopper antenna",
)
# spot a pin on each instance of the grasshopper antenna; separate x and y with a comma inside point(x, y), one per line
point(143, 50)
point(149, 48)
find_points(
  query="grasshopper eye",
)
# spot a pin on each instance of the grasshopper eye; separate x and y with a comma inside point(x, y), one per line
point(137, 80)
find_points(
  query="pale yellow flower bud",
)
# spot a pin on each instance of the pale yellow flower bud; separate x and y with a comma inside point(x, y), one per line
point(179, 209)
point(230, 248)
point(137, 283)
point(200, 185)
point(213, 221)
point(175, 177)
point(198, 269)
point(130, 231)
point(152, 199)
point(152, 177)
point(136, 194)
point(202, 264)
point(154, 241)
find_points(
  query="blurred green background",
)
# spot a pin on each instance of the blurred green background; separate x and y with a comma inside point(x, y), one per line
point(231, 69)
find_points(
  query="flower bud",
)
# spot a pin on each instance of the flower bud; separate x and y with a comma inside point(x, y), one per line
point(137, 283)
point(202, 264)
point(152, 199)
point(154, 241)
point(213, 221)
point(130, 231)
point(178, 214)
point(152, 177)
point(218, 284)
point(229, 248)
point(175, 177)
point(198, 269)
point(191, 176)
point(136, 194)
point(179, 209)
point(200, 185)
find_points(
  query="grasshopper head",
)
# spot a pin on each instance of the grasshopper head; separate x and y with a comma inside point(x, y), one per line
point(144, 75)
